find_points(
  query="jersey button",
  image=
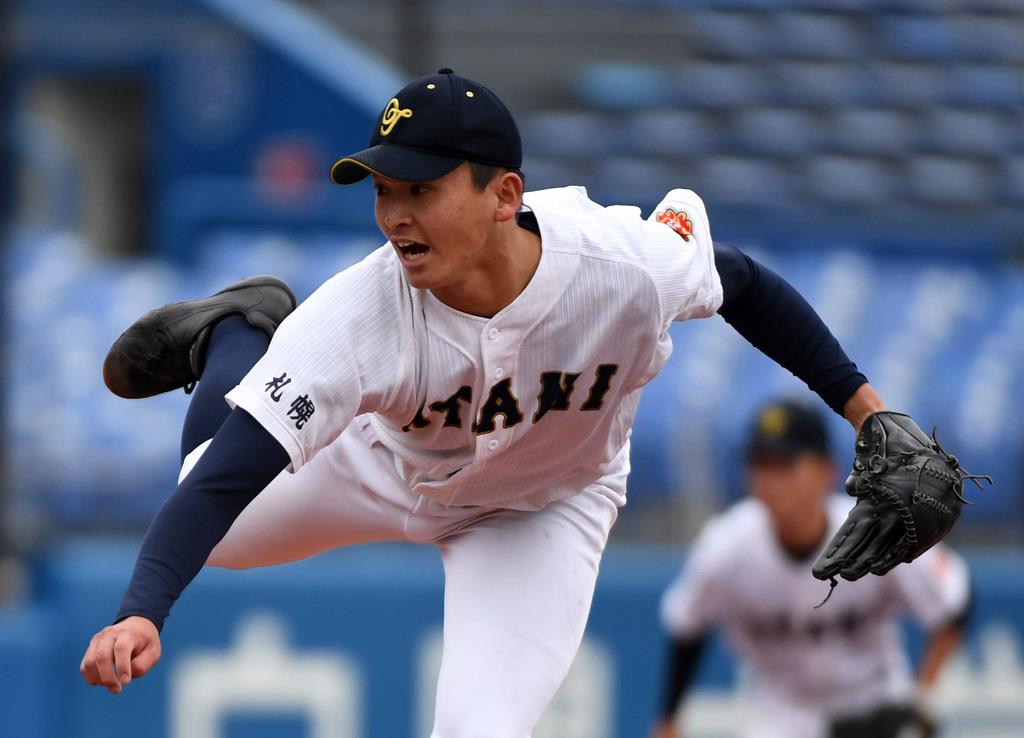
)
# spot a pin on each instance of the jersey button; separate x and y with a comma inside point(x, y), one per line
point(492, 444)
point(498, 372)
point(493, 334)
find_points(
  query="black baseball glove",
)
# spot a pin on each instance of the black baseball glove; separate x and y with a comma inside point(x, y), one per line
point(909, 493)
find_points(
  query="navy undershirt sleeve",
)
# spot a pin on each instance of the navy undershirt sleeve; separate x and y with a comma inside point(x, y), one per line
point(768, 312)
point(683, 658)
point(242, 459)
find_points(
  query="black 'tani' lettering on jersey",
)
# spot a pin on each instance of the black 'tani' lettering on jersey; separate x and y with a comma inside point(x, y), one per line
point(500, 401)
point(602, 383)
point(418, 421)
point(555, 392)
point(450, 407)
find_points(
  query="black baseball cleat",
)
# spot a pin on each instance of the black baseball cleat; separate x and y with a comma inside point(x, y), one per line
point(166, 348)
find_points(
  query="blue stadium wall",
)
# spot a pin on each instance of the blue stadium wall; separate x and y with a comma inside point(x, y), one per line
point(346, 646)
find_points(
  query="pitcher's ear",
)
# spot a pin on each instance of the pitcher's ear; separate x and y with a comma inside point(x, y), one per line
point(508, 186)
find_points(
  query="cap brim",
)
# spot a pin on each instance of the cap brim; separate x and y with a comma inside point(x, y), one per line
point(393, 162)
point(782, 450)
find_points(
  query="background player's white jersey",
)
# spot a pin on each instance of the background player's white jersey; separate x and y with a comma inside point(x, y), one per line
point(516, 410)
point(844, 656)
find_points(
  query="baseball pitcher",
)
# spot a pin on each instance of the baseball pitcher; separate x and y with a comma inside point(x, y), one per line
point(471, 385)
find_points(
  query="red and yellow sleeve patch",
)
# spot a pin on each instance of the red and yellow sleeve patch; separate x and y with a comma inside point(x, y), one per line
point(678, 221)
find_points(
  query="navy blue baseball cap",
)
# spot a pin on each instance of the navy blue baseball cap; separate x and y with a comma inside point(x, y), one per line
point(432, 125)
point(785, 430)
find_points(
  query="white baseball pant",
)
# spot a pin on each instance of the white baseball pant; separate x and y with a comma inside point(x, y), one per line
point(518, 585)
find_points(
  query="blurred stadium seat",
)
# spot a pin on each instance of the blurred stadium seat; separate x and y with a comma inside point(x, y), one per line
point(721, 85)
point(941, 179)
point(821, 84)
point(622, 86)
point(544, 172)
point(773, 131)
point(1015, 179)
point(568, 133)
point(989, 38)
point(900, 85)
point(739, 179)
point(967, 132)
point(731, 36)
point(985, 6)
point(870, 131)
point(628, 179)
point(966, 318)
point(673, 133)
point(981, 85)
point(917, 38)
point(850, 180)
point(793, 118)
point(813, 36)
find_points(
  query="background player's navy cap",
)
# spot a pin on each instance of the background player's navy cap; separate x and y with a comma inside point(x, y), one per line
point(787, 429)
point(432, 125)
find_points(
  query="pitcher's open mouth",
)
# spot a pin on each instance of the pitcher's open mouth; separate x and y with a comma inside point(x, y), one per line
point(412, 251)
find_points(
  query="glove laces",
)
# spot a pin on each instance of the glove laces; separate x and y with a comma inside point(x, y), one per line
point(962, 474)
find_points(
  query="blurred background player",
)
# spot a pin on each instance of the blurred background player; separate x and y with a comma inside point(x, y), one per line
point(838, 671)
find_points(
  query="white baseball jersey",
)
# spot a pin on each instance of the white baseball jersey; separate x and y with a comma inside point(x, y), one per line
point(513, 411)
point(846, 655)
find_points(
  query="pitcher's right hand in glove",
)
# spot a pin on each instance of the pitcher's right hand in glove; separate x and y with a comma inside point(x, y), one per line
point(909, 493)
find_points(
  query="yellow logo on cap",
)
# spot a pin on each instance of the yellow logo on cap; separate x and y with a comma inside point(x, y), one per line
point(773, 421)
point(393, 113)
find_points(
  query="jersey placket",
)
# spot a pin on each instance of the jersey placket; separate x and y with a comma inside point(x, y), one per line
point(497, 349)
